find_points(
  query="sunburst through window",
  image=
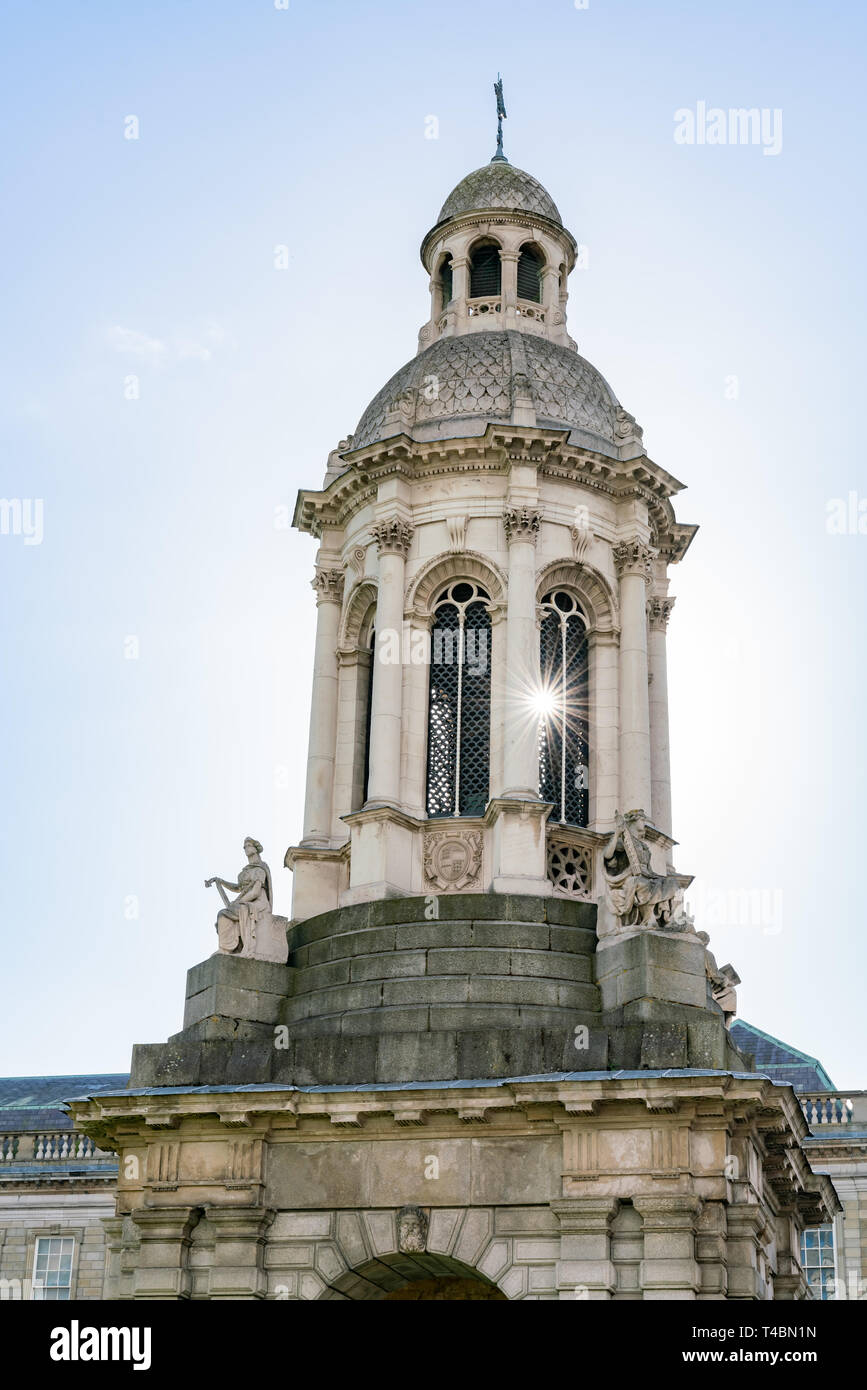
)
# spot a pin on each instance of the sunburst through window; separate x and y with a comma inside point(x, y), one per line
point(562, 705)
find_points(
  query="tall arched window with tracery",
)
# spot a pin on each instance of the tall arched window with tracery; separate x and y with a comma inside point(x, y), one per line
point(459, 707)
point(564, 753)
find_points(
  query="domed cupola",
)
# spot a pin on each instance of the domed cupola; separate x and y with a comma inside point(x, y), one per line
point(499, 258)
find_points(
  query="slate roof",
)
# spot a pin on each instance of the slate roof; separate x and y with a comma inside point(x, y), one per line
point(477, 376)
point(779, 1060)
point(33, 1102)
point(503, 187)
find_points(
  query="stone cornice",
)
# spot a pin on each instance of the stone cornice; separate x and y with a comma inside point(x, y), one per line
point(494, 452)
point(489, 218)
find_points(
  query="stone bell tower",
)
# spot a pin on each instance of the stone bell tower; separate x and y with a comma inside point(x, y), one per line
point(497, 1056)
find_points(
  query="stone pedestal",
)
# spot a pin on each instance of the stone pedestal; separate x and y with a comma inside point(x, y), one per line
point(231, 988)
point(161, 1267)
point(669, 1269)
point(585, 1269)
point(237, 1271)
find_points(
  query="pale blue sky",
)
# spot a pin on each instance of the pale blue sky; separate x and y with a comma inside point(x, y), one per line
point(155, 257)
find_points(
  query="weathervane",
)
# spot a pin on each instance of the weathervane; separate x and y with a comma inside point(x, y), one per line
point(501, 116)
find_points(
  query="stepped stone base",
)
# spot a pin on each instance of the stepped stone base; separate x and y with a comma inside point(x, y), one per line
point(493, 986)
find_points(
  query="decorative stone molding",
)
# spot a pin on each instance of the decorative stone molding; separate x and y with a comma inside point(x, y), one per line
point(457, 529)
point(412, 1228)
point(355, 561)
point(328, 586)
point(628, 430)
point(522, 523)
point(570, 868)
point(429, 582)
point(591, 588)
point(581, 538)
point(452, 858)
point(393, 537)
point(633, 557)
point(659, 612)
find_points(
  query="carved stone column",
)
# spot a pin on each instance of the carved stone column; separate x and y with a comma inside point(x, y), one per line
point(669, 1269)
point(460, 290)
point(521, 763)
point(585, 1269)
point(393, 538)
point(328, 584)
point(509, 286)
point(238, 1270)
point(633, 560)
point(161, 1268)
point(658, 614)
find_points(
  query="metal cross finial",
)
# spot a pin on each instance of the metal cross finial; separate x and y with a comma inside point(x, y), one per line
point(501, 116)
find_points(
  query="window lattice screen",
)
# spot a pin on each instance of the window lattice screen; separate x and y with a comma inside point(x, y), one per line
point(459, 710)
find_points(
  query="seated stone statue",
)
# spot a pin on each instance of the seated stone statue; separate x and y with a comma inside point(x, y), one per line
point(247, 926)
point(723, 980)
point(637, 897)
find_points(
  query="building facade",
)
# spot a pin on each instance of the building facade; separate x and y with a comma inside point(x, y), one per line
point(491, 1056)
point(56, 1189)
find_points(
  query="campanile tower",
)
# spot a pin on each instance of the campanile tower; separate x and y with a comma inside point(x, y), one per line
point(489, 1056)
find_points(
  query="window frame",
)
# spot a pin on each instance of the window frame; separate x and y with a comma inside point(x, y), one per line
point(40, 1290)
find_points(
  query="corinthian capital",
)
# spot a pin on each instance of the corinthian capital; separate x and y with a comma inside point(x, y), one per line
point(393, 537)
point(521, 523)
point(659, 612)
point(328, 586)
point(633, 557)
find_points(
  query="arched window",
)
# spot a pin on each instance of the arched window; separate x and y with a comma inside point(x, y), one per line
point(459, 709)
point(564, 755)
point(485, 270)
point(530, 274)
point(445, 283)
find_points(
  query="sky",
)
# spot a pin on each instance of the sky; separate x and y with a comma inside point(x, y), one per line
point(166, 387)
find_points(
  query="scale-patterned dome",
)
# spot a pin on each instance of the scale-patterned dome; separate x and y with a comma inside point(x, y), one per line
point(500, 186)
point(460, 385)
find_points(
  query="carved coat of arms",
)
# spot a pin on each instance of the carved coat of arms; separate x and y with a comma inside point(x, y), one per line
point(452, 858)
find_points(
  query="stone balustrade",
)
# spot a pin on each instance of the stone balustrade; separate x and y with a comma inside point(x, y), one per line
point(57, 1146)
point(824, 1108)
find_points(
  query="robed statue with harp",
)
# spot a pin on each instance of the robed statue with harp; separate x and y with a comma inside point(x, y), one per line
point(246, 925)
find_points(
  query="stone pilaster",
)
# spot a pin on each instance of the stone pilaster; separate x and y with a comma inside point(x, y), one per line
point(328, 584)
point(669, 1269)
point(710, 1251)
point(747, 1224)
point(633, 562)
point(238, 1271)
point(585, 1269)
point(164, 1240)
point(658, 614)
point(393, 537)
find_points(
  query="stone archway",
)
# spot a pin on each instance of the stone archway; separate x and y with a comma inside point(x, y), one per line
point(422, 1277)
